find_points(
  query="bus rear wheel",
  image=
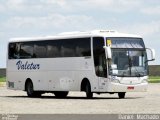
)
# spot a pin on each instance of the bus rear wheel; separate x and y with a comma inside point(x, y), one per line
point(121, 95)
point(61, 94)
point(29, 89)
point(89, 94)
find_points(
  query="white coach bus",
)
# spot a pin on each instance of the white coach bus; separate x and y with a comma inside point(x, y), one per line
point(99, 61)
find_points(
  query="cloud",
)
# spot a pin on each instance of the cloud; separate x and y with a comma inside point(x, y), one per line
point(2, 34)
point(117, 6)
point(2, 8)
point(34, 7)
point(72, 6)
point(61, 3)
point(144, 29)
point(97, 3)
point(15, 4)
point(155, 10)
point(61, 14)
point(54, 21)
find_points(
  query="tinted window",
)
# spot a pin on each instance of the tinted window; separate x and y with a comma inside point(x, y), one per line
point(13, 51)
point(53, 48)
point(83, 47)
point(77, 47)
point(40, 49)
point(68, 48)
point(26, 50)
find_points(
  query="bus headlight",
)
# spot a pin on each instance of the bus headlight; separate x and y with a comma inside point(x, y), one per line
point(114, 79)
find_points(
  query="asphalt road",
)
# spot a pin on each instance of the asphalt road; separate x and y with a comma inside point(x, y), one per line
point(17, 102)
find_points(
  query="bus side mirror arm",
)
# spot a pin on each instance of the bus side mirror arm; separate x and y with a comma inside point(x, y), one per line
point(152, 54)
point(108, 52)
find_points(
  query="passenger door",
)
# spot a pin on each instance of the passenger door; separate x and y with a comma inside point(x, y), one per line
point(100, 62)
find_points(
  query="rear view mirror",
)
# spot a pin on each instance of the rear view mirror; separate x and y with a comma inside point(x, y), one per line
point(108, 52)
point(152, 51)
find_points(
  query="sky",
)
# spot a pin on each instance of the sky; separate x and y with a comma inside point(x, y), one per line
point(29, 18)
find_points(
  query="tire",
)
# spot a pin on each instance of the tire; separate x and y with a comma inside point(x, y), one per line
point(30, 90)
point(121, 95)
point(89, 94)
point(61, 94)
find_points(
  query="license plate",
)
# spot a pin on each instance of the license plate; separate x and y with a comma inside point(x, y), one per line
point(130, 88)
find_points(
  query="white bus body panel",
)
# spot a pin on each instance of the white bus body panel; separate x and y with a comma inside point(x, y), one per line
point(54, 73)
point(66, 74)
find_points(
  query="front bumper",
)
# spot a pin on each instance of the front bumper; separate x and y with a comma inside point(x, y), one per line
point(118, 87)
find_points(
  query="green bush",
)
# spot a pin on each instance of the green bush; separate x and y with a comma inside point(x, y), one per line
point(154, 79)
point(2, 79)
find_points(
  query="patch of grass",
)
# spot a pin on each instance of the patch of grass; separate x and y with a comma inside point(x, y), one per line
point(154, 79)
point(2, 79)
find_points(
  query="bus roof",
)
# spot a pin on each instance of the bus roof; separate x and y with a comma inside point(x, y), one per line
point(77, 34)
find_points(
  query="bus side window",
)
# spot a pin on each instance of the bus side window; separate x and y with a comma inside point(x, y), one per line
point(52, 51)
point(13, 51)
point(40, 50)
point(68, 48)
point(26, 50)
point(83, 47)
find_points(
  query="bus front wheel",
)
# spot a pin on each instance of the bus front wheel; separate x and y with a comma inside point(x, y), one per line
point(121, 95)
point(89, 94)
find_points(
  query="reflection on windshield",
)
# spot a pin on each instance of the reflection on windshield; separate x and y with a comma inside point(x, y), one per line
point(129, 62)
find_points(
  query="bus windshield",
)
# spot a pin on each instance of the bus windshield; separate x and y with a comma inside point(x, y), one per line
point(128, 62)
